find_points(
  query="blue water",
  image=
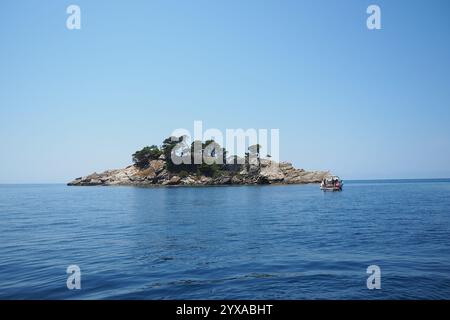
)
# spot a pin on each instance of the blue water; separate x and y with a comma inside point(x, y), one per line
point(242, 242)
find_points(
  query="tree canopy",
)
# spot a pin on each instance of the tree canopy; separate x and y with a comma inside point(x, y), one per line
point(142, 157)
point(206, 158)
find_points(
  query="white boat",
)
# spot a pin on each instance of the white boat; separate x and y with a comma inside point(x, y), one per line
point(333, 183)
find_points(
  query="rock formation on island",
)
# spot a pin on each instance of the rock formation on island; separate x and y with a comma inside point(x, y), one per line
point(154, 166)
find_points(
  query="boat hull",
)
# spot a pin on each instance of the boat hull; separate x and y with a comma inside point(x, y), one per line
point(330, 189)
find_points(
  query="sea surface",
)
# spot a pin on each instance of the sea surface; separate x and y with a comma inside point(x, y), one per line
point(234, 242)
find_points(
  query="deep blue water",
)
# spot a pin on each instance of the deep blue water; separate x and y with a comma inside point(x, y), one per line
point(242, 242)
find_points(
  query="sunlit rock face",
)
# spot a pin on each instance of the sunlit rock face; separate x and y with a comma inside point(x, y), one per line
point(256, 171)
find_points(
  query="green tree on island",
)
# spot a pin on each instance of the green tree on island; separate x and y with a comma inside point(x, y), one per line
point(142, 157)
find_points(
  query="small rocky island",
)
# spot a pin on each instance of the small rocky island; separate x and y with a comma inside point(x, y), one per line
point(154, 166)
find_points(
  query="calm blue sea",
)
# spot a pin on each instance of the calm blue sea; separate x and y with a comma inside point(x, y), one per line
point(236, 242)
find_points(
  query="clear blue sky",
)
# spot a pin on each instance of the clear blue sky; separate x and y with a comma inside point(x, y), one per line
point(74, 102)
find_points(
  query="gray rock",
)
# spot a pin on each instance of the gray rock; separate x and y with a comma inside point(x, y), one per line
point(271, 172)
point(174, 180)
point(260, 172)
point(157, 165)
point(237, 179)
point(188, 181)
point(223, 180)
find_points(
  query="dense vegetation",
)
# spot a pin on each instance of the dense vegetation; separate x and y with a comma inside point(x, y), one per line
point(142, 157)
point(200, 158)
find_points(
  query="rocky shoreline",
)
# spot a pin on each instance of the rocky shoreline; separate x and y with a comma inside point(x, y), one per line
point(266, 172)
point(204, 163)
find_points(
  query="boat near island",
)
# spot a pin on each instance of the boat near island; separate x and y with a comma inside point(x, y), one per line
point(332, 183)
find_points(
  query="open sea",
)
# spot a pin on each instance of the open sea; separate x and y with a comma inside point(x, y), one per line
point(234, 242)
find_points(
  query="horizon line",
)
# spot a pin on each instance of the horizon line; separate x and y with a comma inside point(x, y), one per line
point(348, 180)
